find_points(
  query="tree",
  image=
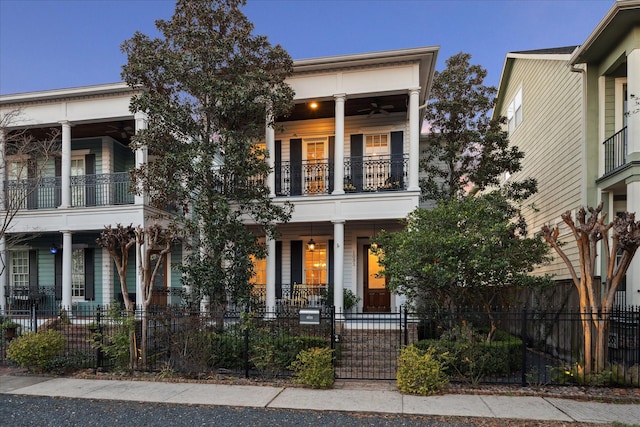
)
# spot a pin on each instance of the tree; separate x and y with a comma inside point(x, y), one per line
point(153, 243)
point(466, 148)
point(118, 241)
point(620, 240)
point(26, 157)
point(210, 87)
point(463, 251)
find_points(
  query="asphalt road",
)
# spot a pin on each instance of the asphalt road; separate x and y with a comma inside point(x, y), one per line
point(47, 411)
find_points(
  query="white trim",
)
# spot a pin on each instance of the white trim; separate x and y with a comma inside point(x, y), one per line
point(618, 102)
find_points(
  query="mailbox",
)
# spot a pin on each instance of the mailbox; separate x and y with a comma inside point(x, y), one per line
point(309, 316)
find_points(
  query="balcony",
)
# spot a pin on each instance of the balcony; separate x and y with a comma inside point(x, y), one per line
point(86, 190)
point(615, 151)
point(361, 175)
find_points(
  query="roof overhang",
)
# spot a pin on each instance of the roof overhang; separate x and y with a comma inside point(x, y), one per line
point(621, 18)
point(69, 93)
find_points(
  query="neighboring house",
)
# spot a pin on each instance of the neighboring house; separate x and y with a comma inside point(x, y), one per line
point(606, 141)
point(542, 101)
point(346, 157)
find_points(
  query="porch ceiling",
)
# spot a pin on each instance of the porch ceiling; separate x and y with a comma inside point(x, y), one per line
point(353, 107)
point(120, 130)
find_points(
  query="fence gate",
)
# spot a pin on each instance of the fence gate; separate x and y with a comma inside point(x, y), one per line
point(367, 344)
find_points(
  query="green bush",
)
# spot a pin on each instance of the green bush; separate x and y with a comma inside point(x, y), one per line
point(471, 357)
point(314, 367)
point(35, 350)
point(421, 372)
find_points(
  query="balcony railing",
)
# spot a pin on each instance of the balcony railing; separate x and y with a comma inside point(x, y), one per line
point(361, 174)
point(86, 190)
point(615, 151)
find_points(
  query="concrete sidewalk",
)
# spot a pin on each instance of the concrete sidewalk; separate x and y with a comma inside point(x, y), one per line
point(381, 399)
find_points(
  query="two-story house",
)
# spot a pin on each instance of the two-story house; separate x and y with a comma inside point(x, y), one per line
point(578, 121)
point(347, 157)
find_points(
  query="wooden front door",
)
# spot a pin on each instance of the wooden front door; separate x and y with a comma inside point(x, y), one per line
point(377, 297)
point(159, 294)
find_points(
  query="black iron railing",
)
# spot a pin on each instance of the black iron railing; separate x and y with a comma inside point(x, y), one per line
point(86, 190)
point(361, 174)
point(615, 150)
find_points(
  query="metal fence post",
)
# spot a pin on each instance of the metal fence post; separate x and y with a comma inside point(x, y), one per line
point(246, 348)
point(524, 346)
point(34, 317)
point(98, 339)
point(406, 325)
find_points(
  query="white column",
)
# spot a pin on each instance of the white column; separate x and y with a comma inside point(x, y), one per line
point(270, 302)
point(414, 140)
point(270, 140)
point(140, 249)
point(141, 153)
point(4, 259)
point(338, 265)
point(338, 156)
point(3, 243)
point(66, 164)
point(633, 188)
point(67, 266)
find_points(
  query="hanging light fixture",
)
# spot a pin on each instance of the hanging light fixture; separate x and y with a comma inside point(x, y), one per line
point(311, 244)
point(53, 249)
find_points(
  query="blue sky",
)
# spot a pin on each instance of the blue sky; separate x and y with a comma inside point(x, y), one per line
point(52, 44)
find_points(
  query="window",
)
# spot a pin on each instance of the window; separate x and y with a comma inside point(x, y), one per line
point(514, 112)
point(260, 271)
point(78, 186)
point(315, 265)
point(77, 274)
point(376, 145)
point(316, 172)
point(20, 270)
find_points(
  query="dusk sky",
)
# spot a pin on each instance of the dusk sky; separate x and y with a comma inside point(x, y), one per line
point(53, 44)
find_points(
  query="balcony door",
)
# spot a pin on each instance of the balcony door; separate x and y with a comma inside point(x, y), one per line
point(377, 297)
point(315, 172)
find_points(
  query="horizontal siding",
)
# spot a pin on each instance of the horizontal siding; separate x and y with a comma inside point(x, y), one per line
point(550, 136)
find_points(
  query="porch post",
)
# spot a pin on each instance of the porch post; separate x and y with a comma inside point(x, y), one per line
point(633, 188)
point(338, 262)
point(270, 298)
point(414, 140)
point(338, 169)
point(140, 153)
point(66, 167)
point(270, 139)
point(67, 266)
point(140, 249)
point(3, 275)
point(3, 242)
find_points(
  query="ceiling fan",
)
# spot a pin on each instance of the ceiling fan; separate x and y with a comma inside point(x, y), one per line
point(376, 108)
point(122, 130)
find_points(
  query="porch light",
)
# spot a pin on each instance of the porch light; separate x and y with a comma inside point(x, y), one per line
point(311, 245)
point(53, 249)
point(313, 105)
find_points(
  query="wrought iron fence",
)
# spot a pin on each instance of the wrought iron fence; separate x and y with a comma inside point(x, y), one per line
point(615, 150)
point(511, 346)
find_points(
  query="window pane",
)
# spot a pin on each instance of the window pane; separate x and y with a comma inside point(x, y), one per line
point(77, 273)
point(20, 269)
point(315, 265)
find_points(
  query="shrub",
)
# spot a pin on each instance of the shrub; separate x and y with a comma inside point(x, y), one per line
point(421, 372)
point(471, 357)
point(314, 367)
point(35, 350)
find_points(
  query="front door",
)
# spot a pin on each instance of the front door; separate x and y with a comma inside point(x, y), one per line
point(377, 297)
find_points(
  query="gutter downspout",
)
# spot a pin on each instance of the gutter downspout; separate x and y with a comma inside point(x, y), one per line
point(583, 160)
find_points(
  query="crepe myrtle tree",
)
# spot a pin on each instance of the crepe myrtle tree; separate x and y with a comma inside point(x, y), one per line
point(619, 240)
point(465, 251)
point(210, 86)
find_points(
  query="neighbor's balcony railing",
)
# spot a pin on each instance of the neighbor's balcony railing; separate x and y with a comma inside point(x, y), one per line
point(86, 190)
point(361, 174)
point(615, 151)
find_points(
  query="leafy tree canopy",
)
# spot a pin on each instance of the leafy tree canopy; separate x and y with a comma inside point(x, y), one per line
point(209, 86)
point(466, 148)
point(463, 251)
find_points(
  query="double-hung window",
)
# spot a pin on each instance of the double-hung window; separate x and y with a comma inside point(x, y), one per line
point(514, 112)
